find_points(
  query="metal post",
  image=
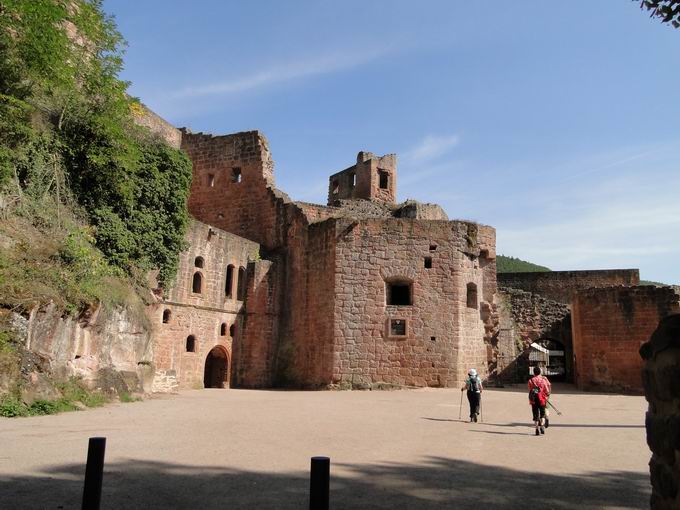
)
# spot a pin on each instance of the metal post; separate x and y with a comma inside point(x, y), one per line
point(318, 483)
point(94, 472)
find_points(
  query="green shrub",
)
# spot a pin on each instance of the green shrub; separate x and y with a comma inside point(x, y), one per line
point(11, 406)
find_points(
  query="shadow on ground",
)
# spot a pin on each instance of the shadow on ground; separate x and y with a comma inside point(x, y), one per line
point(434, 483)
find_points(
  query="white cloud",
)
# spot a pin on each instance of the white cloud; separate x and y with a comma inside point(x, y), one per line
point(288, 71)
point(431, 147)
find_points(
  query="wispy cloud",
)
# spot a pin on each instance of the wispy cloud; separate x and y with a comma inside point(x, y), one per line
point(294, 69)
point(430, 148)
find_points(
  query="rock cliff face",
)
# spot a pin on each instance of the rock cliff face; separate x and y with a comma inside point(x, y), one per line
point(110, 350)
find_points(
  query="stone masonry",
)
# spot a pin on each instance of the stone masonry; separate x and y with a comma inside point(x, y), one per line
point(609, 326)
point(362, 292)
point(661, 376)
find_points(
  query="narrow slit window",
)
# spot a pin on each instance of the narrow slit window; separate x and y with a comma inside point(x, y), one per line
point(229, 283)
point(232, 330)
point(197, 283)
point(336, 187)
point(236, 174)
point(384, 179)
point(191, 343)
point(352, 180)
point(471, 295)
point(241, 284)
point(211, 180)
point(223, 329)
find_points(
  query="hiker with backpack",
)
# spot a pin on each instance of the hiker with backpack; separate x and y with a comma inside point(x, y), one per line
point(539, 392)
point(473, 385)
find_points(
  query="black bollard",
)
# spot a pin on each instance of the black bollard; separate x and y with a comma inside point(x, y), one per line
point(318, 483)
point(94, 473)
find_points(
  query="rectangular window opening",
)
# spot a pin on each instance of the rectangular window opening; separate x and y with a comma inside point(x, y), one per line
point(433, 247)
point(428, 262)
point(433, 338)
point(384, 179)
point(236, 174)
point(211, 180)
point(397, 327)
point(399, 294)
point(353, 180)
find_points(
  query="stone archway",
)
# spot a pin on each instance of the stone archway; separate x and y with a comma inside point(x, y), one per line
point(216, 373)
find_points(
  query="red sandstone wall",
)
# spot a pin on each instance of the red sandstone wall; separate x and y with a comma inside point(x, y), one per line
point(201, 314)
point(444, 337)
point(562, 285)
point(609, 325)
point(257, 330)
point(250, 208)
point(366, 172)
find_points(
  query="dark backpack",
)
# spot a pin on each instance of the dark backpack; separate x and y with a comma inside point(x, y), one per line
point(474, 384)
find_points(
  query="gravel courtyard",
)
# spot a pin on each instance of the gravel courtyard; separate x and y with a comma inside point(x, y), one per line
point(394, 449)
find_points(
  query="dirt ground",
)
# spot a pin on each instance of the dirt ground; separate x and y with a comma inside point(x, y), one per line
point(231, 449)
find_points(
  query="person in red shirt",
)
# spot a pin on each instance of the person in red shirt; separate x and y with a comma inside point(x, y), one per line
point(539, 391)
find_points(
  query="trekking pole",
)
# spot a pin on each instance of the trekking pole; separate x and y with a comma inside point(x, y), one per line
point(556, 410)
point(481, 409)
point(460, 406)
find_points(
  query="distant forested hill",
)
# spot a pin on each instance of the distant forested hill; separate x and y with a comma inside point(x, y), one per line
point(512, 265)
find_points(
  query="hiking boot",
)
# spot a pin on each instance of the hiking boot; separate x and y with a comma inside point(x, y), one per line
point(547, 423)
point(542, 430)
point(474, 418)
point(537, 432)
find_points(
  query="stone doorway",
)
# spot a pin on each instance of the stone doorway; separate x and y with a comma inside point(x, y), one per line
point(216, 374)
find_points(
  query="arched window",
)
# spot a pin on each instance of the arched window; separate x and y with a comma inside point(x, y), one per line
point(241, 286)
point(198, 262)
point(166, 316)
point(223, 329)
point(232, 330)
point(399, 292)
point(471, 295)
point(191, 343)
point(229, 283)
point(197, 283)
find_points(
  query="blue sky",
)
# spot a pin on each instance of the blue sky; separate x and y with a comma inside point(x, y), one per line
point(556, 123)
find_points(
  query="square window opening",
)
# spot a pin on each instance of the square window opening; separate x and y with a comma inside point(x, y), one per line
point(399, 294)
point(397, 327)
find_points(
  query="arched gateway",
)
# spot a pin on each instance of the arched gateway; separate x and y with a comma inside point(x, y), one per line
point(216, 373)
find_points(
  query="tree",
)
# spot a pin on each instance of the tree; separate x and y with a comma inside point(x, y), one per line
point(667, 10)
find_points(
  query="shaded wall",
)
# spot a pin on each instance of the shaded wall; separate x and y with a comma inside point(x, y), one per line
point(527, 318)
point(661, 376)
point(609, 325)
point(562, 285)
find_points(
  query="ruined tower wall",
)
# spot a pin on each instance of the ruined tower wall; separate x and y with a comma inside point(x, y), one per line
point(372, 178)
point(609, 325)
point(198, 314)
point(232, 185)
point(562, 285)
point(443, 336)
